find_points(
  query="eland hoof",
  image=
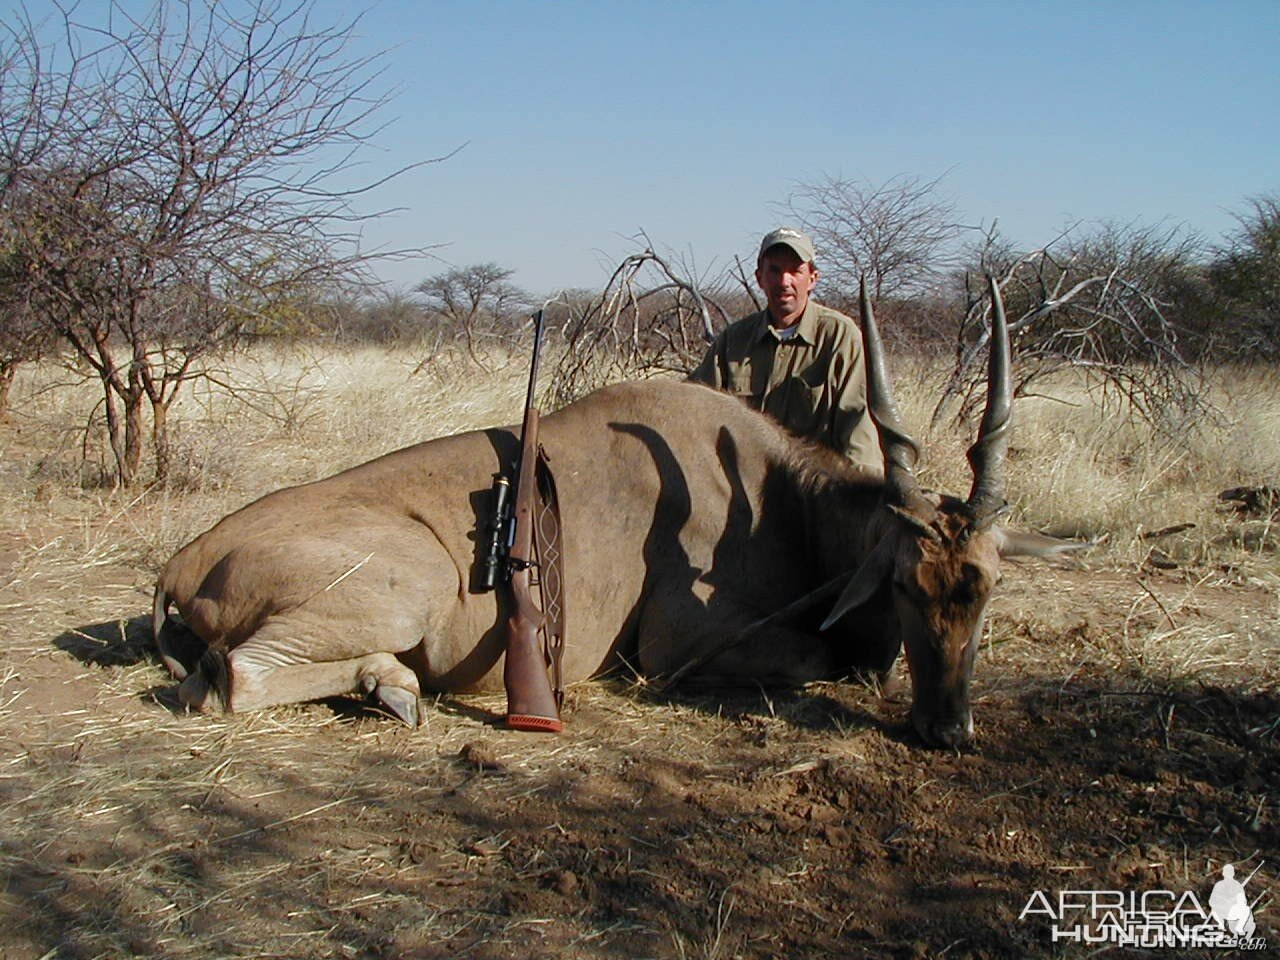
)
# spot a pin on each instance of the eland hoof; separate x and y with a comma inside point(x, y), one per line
point(206, 688)
point(400, 703)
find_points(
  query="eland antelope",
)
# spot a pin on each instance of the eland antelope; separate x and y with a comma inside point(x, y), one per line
point(687, 518)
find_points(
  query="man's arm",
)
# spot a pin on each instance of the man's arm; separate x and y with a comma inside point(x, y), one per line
point(708, 371)
point(863, 444)
point(852, 431)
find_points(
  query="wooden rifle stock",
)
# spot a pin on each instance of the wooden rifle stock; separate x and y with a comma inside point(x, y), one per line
point(531, 703)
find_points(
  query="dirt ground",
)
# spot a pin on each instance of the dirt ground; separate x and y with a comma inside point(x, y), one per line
point(1128, 739)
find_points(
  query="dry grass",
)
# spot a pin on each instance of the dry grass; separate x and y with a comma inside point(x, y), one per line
point(1081, 471)
point(277, 415)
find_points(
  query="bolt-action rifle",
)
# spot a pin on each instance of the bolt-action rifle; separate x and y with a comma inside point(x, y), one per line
point(524, 536)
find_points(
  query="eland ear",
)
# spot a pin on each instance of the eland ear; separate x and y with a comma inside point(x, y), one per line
point(1020, 543)
point(865, 582)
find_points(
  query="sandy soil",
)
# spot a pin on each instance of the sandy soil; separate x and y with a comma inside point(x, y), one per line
point(1129, 738)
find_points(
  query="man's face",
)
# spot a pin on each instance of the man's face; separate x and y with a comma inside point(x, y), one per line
point(786, 281)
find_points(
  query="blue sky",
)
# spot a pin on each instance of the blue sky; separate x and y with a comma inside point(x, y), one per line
point(585, 123)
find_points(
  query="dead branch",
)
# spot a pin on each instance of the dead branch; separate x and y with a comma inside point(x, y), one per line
point(1096, 304)
point(638, 327)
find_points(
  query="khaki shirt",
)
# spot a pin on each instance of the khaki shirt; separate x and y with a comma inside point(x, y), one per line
point(813, 383)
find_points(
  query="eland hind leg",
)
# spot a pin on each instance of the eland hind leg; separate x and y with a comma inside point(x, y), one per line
point(345, 632)
point(252, 677)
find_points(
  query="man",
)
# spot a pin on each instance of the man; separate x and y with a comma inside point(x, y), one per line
point(798, 361)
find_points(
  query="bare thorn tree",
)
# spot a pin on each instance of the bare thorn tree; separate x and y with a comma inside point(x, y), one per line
point(894, 233)
point(1100, 303)
point(749, 286)
point(168, 177)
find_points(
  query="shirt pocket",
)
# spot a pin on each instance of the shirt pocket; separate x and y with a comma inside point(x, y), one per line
point(799, 406)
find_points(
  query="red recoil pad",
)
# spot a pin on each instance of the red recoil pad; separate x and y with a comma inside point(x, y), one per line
point(519, 721)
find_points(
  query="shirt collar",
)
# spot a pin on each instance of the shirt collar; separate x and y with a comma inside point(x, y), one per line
point(808, 326)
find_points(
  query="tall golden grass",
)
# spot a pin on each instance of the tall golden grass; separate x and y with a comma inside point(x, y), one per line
point(1083, 469)
point(282, 414)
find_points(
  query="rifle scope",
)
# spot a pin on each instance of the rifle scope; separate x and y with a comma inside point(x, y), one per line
point(498, 529)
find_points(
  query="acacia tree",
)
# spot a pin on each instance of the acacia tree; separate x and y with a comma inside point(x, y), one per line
point(477, 301)
point(1246, 276)
point(23, 337)
point(653, 316)
point(388, 316)
point(165, 179)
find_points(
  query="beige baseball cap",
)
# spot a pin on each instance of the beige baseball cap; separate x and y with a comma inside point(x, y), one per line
point(789, 237)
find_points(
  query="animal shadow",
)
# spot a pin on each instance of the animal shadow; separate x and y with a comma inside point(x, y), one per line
point(112, 643)
point(352, 708)
point(844, 707)
point(120, 643)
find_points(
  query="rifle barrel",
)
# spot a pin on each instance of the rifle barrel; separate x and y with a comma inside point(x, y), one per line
point(529, 397)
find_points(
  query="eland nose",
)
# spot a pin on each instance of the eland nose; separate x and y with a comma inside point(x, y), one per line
point(953, 735)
